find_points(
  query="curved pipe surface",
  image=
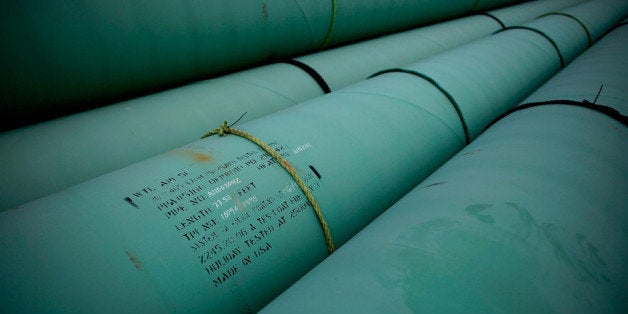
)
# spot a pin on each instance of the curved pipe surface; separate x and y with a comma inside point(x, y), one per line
point(65, 149)
point(67, 56)
point(218, 225)
point(529, 217)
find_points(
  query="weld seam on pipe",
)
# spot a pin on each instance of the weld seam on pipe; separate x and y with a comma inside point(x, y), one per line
point(494, 18)
point(586, 29)
point(331, 24)
point(606, 110)
point(440, 88)
point(311, 72)
point(560, 55)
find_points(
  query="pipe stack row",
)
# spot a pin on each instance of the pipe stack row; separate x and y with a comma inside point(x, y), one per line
point(131, 131)
point(531, 217)
point(218, 225)
point(67, 56)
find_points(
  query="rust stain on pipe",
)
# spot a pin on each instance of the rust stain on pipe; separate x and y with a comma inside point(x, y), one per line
point(136, 262)
point(194, 155)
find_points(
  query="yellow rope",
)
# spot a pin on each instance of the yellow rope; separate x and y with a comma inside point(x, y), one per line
point(331, 25)
point(225, 129)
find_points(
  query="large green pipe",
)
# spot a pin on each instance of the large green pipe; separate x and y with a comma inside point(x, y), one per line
point(218, 226)
point(68, 56)
point(561, 36)
point(604, 82)
point(531, 217)
point(346, 65)
point(45, 158)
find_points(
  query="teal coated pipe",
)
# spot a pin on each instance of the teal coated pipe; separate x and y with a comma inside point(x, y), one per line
point(367, 17)
point(607, 76)
point(343, 66)
point(568, 39)
point(531, 217)
point(48, 157)
point(218, 226)
point(68, 56)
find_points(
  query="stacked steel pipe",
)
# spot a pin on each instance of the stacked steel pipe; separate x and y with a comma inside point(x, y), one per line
point(218, 224)
point(531, 217)
point(156, 123)
point(66, 56)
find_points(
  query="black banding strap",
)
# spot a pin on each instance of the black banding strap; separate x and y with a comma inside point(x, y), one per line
point(440, 88)
point(622, 24)
point(560, 56)
point(494, 18)
point(309, 70)
point(586, 29)
point(611, 112)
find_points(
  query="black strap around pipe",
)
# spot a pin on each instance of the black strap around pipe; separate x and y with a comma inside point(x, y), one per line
point(586, 29)
point(440, 88)
point(494, 18)
point(309, 70)
point(609, 111)
point(560, 56)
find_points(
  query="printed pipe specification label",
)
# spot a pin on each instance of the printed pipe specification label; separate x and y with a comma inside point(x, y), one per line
point(220, 212)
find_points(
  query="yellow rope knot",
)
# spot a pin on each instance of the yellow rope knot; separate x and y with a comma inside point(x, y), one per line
point(225, 129)
point(222, 131)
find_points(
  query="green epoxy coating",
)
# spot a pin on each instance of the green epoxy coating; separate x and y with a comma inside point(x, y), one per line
point(218, 226)
point(528, 218)
point(69, 56)
point(565, 32)
point(137, 129)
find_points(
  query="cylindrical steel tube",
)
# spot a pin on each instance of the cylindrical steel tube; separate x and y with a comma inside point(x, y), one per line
point(68, 56)
point(218, 225)
point(531, 217)
point(65, 149)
